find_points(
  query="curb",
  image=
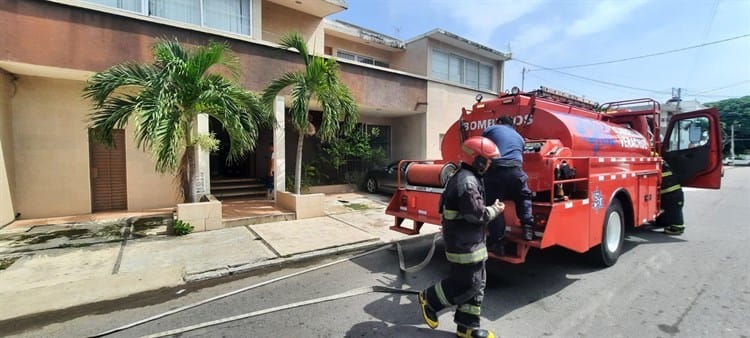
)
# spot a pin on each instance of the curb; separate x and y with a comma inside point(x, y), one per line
point(281, 261)
point(19, 323)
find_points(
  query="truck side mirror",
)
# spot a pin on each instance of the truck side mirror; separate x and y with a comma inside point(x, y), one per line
point(695, 132)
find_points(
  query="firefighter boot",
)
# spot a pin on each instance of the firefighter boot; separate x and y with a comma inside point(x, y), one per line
point(675, 230)
point(429, 315)
point(467, 332)
point(527, 231)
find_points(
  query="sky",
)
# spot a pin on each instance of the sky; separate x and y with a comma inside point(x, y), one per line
point(543, 35)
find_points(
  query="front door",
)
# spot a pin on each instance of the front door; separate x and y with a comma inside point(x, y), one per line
point(692, 147)
point(108, 176)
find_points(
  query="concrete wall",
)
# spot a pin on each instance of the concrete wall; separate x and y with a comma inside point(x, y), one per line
point(279, 20)
point(48, 34)
point(414, 59)
point(444, 109)
point(51, 148)
point(337, 44)
point(7, 90)
point(52, 156)
point(408, 138)
point(147, 189)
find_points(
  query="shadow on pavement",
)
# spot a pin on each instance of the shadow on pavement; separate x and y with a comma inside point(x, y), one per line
point(509, 286)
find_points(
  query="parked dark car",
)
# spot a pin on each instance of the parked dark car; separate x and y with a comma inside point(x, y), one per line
point(384, 179)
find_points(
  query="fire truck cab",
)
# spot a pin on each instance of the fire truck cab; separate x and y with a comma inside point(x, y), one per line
point(594, 170)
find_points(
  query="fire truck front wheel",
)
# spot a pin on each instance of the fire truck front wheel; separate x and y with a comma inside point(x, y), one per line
point(613, 232)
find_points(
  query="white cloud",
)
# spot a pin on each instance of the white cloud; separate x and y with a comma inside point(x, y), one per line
point(531, 36)
point(483, 17)
point(605, 15)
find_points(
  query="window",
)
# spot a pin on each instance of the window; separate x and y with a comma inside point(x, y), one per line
point(360, 58)
point(227, 15)
point(689, 133)
point(454, 68)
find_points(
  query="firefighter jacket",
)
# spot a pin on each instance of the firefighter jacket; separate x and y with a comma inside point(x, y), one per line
point(465, 217)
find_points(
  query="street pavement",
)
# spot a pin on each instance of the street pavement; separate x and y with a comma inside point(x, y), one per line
point(48, 276)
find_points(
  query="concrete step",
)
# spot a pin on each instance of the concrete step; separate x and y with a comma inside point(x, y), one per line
point(229, 186)
point(234, 180)
point(240, 193)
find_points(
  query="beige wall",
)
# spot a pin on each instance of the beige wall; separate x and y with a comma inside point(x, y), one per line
point(408, 138)
point(51, 149)
point(279, 20)
point(357, 48)
point(7, 214)
point(146, 188)
point(444, 109)
point(414, 59)
point(52, 154)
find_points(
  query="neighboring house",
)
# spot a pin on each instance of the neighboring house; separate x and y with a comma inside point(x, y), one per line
point(49, 167)
point(675, 106)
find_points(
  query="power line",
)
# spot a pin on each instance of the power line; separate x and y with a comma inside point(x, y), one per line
point(647, 55)
point(697, 54)
point(724, 87)
point(593, 80)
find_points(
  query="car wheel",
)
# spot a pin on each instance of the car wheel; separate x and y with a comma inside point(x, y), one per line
point(371, 185)
point(613, 233)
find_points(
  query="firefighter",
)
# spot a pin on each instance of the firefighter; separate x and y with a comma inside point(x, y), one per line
point(507, 180)
point(672, 199)
point(464, 220)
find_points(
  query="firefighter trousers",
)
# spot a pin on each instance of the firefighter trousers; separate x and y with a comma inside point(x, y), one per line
point(672, 203)
point(464, 288)
point(507, 183)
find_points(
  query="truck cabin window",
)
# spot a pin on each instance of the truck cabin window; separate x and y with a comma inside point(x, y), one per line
point(689, 133)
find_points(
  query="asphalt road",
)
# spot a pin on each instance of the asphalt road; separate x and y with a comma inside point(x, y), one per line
point(695, 285)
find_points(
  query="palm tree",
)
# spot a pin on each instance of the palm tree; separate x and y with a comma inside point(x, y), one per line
point(320, 81)
point(164, 98)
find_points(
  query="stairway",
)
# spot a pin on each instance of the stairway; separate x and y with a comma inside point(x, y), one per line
point(237, 188)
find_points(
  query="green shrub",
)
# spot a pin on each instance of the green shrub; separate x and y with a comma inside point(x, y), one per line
point(181, 227)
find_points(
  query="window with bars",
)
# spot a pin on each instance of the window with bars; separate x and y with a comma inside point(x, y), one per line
point(361, 59)
point(228, 15)
point(458, 69)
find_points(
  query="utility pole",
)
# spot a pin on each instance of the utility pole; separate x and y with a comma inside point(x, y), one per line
point(677, 95)
point(523, 77)
point(731, 144)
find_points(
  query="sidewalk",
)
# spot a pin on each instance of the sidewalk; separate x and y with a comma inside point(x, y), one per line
point(57, 279)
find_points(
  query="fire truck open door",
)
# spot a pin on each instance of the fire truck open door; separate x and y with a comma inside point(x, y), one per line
point(692, 147)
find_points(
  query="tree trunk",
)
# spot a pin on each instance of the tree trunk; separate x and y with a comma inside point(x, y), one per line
point(188, 173)
point(298, 165)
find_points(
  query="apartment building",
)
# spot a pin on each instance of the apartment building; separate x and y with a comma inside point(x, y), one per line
point(412, 89)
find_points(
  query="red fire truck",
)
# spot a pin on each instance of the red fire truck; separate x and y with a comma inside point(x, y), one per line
point(612, 154)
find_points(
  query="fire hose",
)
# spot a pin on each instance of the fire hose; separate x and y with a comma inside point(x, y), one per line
point(350, 293)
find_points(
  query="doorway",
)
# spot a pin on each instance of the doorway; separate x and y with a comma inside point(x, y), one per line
point(109, 188)
point(244, 167)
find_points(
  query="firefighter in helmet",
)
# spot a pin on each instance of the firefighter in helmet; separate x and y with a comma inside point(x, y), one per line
point(464, 225)
point(672, 199)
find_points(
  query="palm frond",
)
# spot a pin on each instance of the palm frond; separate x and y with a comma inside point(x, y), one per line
point(103, 84)
point(296, 41)
point(112, 114)
point(216, 53)
point(167, 141)
point(301, 95)
point(277, 85)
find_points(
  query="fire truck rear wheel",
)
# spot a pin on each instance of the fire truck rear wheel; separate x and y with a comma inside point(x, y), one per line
point(613, 233)
point(371, 185)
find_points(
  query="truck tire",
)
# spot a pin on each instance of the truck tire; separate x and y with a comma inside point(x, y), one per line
point(613, 233)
